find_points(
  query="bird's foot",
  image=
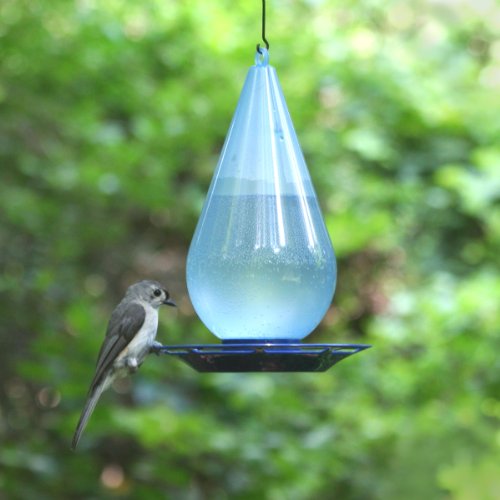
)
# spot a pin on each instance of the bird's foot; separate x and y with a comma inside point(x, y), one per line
point(155, 348)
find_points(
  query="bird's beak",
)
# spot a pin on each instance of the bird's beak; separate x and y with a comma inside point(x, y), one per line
point(170, 302)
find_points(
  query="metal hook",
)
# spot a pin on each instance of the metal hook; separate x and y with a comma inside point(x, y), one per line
point(263, 28)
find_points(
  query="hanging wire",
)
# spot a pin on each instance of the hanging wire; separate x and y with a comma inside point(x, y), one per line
point(263, 28)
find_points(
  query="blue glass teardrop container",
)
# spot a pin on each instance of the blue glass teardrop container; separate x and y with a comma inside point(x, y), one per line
point(261, 264)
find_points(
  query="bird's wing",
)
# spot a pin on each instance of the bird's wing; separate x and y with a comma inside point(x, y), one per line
point(125, 322)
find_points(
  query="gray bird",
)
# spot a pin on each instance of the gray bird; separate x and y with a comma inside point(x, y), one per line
point(129, 338)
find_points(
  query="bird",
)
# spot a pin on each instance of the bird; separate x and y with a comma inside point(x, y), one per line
point(130, 337)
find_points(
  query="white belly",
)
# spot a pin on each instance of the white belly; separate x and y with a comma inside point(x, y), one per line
point(138, 348)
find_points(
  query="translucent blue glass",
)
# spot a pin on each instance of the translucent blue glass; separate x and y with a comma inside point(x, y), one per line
point(261, 264)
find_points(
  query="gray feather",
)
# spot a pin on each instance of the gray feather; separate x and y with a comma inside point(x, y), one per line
point(89, 407)
point(126, 320)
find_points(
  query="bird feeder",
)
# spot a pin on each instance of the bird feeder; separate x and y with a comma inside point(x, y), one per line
point(261, 269)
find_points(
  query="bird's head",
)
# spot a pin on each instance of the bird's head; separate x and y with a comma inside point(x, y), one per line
point(152, 292)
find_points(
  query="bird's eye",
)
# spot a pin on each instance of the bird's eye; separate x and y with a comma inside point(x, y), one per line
point(157, 292)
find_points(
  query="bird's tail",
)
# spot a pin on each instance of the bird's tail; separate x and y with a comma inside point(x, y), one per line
point(89, 407)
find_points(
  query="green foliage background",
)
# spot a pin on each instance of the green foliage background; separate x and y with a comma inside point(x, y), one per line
point(112, 115)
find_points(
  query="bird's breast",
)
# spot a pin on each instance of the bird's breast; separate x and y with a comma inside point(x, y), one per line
point(139, 346)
